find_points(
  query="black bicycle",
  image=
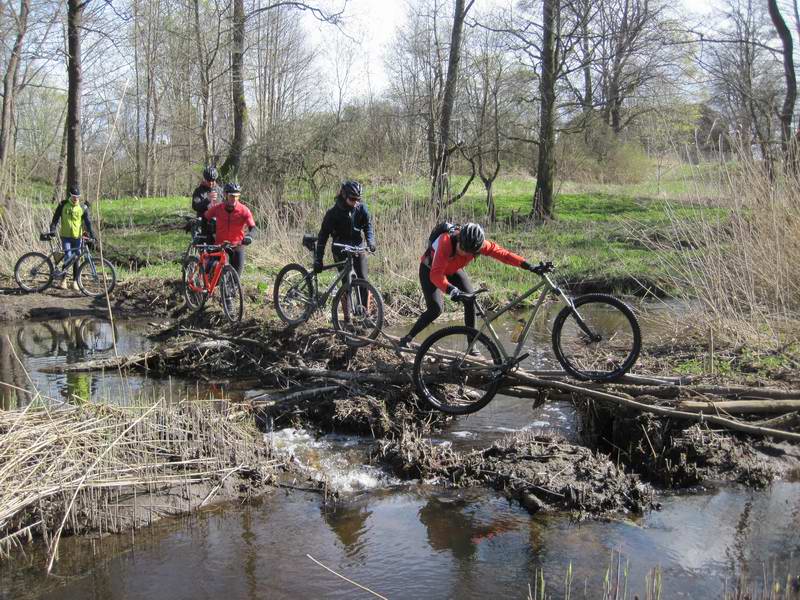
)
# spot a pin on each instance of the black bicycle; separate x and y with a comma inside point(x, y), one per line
point(357, 306)
point(35, 271)
point(458, 370)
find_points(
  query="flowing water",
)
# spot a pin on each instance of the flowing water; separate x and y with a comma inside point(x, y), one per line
point(400, 539)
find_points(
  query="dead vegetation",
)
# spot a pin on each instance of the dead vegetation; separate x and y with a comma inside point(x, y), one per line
point(103, 468)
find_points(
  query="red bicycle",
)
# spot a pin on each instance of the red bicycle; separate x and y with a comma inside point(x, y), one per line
point(209, 271)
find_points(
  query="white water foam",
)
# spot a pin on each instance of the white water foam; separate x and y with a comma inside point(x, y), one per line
point(334, 459)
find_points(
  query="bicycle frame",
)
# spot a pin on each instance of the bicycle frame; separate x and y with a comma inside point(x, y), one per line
point(345, 274)
point(83, 252)
point(547, 286)
point(206, 256)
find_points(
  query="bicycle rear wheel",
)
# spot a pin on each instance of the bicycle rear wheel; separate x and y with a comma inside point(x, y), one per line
point(34, 272)
point(95, 278)
point(599, 340)
point(37, 339)
point(293, 294)
point(194, 291)
point(231, 294)
point(358, 310)
point(449, 379)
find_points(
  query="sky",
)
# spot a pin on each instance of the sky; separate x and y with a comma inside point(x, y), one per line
point(373, 24)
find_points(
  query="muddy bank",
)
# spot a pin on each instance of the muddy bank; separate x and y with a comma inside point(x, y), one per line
point(543, 472)
point(130, 299)
point(677, 454)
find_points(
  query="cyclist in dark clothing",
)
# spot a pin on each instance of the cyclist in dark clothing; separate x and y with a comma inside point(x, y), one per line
point(206, 195)
point(347, 222)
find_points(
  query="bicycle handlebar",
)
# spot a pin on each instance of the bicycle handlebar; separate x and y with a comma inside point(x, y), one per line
point(352, 249)
point(216, 247)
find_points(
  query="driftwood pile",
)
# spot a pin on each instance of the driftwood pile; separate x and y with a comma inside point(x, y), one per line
point(313, 363)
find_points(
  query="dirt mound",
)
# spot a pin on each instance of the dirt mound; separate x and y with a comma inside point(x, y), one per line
point(542, 472)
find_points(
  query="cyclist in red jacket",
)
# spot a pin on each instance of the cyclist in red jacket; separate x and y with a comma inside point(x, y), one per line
point(232, 217)
point(441, 271)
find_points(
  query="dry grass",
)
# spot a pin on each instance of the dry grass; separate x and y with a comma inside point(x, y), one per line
point(739, 259)
point(105, 468)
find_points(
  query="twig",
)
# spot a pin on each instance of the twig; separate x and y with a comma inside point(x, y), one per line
point(366, 589)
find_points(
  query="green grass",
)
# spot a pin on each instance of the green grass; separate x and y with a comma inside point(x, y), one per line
point(589, 240)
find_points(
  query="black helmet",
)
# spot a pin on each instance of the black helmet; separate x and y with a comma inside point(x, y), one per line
point(232, 188)
point(471, 238)
point(350, 189)
point(74, 191)
point(210, 174)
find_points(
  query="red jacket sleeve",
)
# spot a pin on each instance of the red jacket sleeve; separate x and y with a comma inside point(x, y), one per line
point(444, 250)
point(210, 213)
point(497, 252)
point(251, 222)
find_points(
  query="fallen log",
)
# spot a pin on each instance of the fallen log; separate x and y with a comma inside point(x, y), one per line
point(740, 407)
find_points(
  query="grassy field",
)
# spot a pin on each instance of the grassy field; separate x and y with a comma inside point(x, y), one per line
point(596, 239)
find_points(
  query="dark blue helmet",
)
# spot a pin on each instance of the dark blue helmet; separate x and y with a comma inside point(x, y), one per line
point(210, 174)
point(232, 188)
point(350, 189)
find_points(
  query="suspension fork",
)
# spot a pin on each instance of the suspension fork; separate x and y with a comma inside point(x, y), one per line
point(578, 318)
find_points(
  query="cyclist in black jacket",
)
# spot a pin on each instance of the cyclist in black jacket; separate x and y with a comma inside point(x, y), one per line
point(347, 222)
point(206, 195)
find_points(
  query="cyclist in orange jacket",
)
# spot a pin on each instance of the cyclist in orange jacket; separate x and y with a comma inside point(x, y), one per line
point(441, 271)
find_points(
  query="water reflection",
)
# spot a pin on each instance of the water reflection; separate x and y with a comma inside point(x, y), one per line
point(418, 542)
point(349, 522)
point(29, 351)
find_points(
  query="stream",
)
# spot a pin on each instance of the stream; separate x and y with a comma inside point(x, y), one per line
point(400, 539)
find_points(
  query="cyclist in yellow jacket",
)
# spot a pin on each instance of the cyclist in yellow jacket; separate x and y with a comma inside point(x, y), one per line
point(74, 217)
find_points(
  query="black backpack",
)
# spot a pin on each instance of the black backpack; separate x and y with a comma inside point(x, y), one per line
point(443, 227)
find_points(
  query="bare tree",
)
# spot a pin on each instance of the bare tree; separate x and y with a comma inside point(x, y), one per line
point(230, 168)
point(10, 80)
point(787, 110)
point(439, 175)
point(75, 10)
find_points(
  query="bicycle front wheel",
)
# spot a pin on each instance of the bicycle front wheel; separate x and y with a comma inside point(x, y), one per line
point(598, 340)
point(358, 310)
point(34, 272)
point(194, 291)
point(458, 370)
point(293, 294)
point(230, 290)
point(95, 278)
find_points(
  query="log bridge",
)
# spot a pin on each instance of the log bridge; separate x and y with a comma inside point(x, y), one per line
point(671, 397)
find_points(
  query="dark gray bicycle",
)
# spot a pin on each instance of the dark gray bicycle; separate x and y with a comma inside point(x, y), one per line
point(357, 306)
point(35, 271)
point(458, 370)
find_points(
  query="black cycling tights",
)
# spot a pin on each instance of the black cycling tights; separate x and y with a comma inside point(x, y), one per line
point(359, 266)
point(434, 299)
point(236, 256)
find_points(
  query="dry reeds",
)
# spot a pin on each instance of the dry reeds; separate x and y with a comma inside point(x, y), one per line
point(738, 258)
point(105, 468)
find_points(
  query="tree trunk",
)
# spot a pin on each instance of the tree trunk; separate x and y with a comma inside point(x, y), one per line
point(10, 80)
point(789, 75)
point(230, 168)
point(58, 184)
point(546, 168)
point(74, 19)
point(439, 176)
